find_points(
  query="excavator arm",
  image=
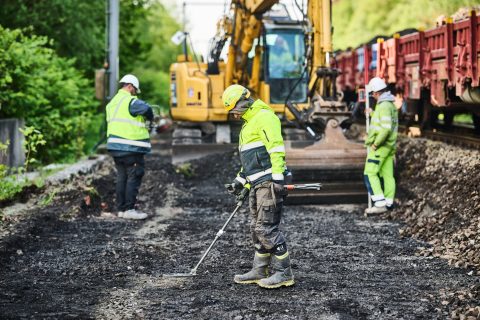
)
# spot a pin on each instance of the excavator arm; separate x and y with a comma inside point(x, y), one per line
point(245, 28)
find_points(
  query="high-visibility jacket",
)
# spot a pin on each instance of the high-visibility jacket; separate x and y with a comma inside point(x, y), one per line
point(262, 152)
point(383, 129)
point(124, 131)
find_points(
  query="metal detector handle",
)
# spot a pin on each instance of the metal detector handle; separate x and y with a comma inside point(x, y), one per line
point(306, 186)
point(242, 196)
point(219, 234)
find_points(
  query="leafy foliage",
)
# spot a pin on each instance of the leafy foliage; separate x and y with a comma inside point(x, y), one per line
point(145, 46)
point(33, 139)
point(77, 28)
point(357, 21)
point(8, 187)
point(52, 93)
point(47, 91)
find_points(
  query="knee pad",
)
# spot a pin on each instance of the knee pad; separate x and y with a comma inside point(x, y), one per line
point(280, 249)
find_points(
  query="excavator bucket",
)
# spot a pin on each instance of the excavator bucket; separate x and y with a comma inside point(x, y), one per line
point(334, 161)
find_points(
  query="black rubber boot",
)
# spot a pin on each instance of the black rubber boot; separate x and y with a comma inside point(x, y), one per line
point(259, 270)
point(282, 273)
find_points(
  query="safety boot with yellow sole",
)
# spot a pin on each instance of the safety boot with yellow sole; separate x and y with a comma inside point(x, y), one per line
point(259, 270)
point(282, 273)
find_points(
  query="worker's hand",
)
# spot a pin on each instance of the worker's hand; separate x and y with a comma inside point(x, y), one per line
point(279, 187)
point(150, 126)
point(234, 188)
point(374, 147)
point(243, 194)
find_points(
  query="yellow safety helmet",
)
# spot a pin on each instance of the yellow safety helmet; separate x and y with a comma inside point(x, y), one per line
point(233, 94)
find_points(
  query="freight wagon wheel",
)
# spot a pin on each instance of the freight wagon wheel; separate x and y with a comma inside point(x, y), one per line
point(428, 115)
point(448, 120)
point(476, 122)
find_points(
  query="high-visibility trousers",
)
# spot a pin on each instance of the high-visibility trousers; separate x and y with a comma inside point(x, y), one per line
point(379, 176)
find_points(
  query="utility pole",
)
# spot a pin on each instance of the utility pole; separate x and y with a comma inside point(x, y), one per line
point(184, 26)
point(113, 31)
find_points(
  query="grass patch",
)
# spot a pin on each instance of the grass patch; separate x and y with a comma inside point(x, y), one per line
point(186, 170)
point(47, 199)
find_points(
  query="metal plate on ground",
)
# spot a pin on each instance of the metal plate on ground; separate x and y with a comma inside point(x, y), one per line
point(186, 152)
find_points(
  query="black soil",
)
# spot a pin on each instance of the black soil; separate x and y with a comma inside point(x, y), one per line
point(72, 259)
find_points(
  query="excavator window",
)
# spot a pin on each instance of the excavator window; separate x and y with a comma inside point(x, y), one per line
point(285, 57)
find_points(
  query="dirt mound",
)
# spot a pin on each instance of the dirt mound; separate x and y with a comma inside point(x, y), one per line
point(439, 192)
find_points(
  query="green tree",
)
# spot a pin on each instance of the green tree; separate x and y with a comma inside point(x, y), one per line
point(357, 21)
point(77, 27)
point(145, 48)
point(78, 30)
point(47, 91)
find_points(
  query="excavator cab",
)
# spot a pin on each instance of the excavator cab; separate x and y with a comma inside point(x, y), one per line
point(284, 68)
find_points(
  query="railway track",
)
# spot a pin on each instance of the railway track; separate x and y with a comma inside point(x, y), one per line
point(457, 139)
point(462, 136)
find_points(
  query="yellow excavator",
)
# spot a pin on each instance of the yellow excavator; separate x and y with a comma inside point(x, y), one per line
point(283, 62)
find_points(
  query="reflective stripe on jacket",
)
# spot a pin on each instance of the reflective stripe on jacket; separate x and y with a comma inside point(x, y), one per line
point(384, 127)
point(124, 131)
point(262, 152)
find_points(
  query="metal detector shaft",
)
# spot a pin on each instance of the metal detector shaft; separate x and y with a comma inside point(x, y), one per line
point(219, 234)
point(307, 186)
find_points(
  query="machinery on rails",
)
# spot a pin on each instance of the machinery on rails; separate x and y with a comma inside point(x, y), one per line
point(284, 62)
point(434, 71)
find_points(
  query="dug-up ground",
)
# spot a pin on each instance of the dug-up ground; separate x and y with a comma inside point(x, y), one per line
point(67, 257)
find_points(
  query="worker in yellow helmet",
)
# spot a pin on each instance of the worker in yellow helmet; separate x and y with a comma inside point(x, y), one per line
point(262, 154)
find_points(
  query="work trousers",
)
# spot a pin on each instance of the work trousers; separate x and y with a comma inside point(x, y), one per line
point(266, 213)
point(130, 170)
point(379, 178)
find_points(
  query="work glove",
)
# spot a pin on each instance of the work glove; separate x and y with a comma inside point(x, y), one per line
point(234, 188)
point(279, 187)
point(243, 194)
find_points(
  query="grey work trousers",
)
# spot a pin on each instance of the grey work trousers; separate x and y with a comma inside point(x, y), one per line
point(266, 211)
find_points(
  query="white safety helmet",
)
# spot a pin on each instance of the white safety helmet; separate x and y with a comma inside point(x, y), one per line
point(130, 78)
point(376, 84)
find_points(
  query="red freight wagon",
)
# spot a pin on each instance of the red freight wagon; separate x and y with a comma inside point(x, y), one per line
point(443, 61)
point(433, 68)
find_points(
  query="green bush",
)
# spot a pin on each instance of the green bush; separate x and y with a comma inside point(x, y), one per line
point(47, 91)
point(77, 27)
point(95, 130)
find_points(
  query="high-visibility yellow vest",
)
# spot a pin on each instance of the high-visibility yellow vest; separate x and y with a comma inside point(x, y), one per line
point(121, 123)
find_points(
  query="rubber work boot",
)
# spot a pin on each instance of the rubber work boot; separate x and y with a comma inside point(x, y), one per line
point(376, 210)
point(282, 273)
point(132, 214)
point(259, 270)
